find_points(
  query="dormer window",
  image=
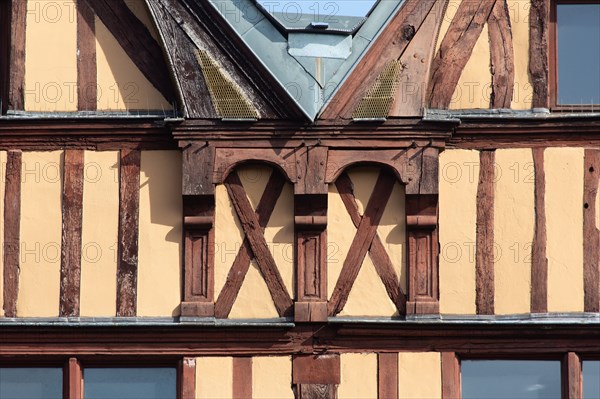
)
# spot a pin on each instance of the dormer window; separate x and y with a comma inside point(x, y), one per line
point(341, 16)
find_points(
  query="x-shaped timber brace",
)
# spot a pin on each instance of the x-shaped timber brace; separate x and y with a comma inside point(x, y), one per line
point(310, 169)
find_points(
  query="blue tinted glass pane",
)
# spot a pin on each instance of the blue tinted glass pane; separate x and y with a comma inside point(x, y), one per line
point(521, 379)
point(578, 53)
point(319, 10)
point(591, 380)
point(31, 383)
point(129, 383)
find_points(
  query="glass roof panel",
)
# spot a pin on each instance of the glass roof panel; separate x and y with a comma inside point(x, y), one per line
point(343, 16)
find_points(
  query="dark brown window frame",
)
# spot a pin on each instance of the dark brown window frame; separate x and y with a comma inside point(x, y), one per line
point(571, 364)
point(553, 61)
point(73, 368)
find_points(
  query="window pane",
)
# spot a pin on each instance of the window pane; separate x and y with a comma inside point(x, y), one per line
point(129, 383)
point(578, 53)
point(591, 379)
point(521, 379)
point(31, 383)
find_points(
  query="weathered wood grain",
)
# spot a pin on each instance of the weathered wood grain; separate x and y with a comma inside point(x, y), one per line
point(186, 386)
point(264, 259)
point(16, 95)
point(12, 223)
point(572, 382)
point(387, 375)
point(242, 377)
point(129, 199)
point(484, 253)
point(367, 229)
point(87, 85)
point(72, 218)
point(316, 369)
point(379, 256)
point(136, 41)
point(456, 49)
point(317, 391)
point(591, 233)
point(539, 261)
point(450, 376)
point(539, 18)
point(502, 56)
point(241, 263)
point(390, 45)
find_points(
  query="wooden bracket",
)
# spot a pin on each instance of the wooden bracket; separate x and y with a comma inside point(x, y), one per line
point(316, 376)
point(421, 232)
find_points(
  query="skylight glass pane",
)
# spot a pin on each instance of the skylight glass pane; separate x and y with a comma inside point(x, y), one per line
point(130, 383)
point(523, 379)
point(591, 379)
point(578, 53)
point(318, 10)
point(31, 383)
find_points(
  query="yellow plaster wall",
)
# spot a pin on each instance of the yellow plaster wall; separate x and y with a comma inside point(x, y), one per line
point(514, 219)
point(50, 56)
point(99, 234)
point(41, 226)
point(272, 377)
point(420, 375)
point(519, 19)
point(2, 184)
point(474, 86)
point(160, 234)
point(214, 377)
point(254, 299)
point(459, 176)
point(341, 232)
point(564, 169)
point(121, 85)
point(358, 375)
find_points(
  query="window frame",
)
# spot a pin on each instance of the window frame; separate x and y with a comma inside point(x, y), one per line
point(553, 62)
point(73, 368)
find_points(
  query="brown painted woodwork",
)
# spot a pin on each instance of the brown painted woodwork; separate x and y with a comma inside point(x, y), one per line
point(366, 231)
point(254, 235)
point(572, 382)
point(87, 85)
point(450, 376)
point(5, 49)
point(539, 261)
point(136, 41)
point(502, 57)
point(186, 379)
point(72, 216)
point(483, 339)
point(379, 256)
point(416, 60)
point(387, 375)
point(16, 66)
point(12, 223)
point(484, 252)
point(198, 163)
point(311, 166)
point(456, 49)
point(73, 379)
point(242, 377)
point(539, 15)
point(241, 263)
point(316, 369)
point(316, 391)
point(227, 159)
point(127, 263)
point(389, 45)
point(591, 234)
point(422, 254)
point(199, 284)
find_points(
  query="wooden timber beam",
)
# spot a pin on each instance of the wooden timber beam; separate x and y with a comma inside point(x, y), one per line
point(136, 40)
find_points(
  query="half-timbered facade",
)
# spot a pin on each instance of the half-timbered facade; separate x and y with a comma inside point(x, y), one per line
point(256, 202)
